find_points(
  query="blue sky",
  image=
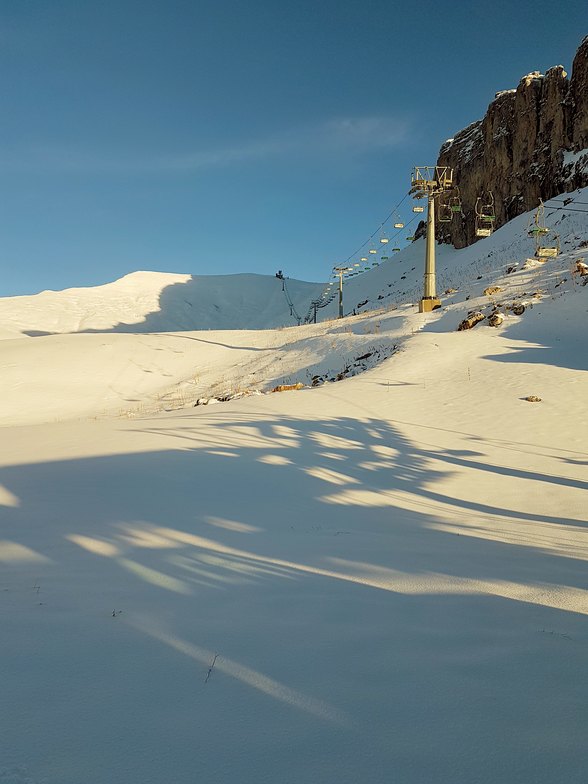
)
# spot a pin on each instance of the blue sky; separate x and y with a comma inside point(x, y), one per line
point(214, 137)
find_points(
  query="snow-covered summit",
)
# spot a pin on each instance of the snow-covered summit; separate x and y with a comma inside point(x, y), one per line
point(533, 76)
point(159, 302)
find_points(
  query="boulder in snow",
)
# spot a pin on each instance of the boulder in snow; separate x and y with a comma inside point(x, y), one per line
point(471, 321)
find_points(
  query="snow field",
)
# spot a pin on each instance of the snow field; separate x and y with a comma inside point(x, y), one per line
point(390, 569)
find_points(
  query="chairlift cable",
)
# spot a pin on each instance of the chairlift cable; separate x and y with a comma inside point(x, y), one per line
point(293, 311)
point(568, 209)
point(382, 224)
point(569, 201)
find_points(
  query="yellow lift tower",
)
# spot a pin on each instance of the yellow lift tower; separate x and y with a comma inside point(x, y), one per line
point(430, 182)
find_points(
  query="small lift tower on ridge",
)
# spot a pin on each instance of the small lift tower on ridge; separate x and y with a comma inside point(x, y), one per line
point(340, 272)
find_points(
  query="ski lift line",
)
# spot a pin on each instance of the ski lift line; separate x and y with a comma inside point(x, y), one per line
point(395, 209)
point(379, 229)
point(382, 224)
point(392, 237)
point(568, 209)
point(569, 201)
point(392, 212)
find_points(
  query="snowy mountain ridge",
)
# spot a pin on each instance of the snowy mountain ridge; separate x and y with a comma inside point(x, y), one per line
point(151, 342)
point(144, 302)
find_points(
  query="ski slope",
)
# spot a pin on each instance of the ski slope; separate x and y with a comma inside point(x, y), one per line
point(381, 577)
point(158, 302)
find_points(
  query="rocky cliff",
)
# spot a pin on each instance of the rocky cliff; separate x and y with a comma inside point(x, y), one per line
point(531, 145)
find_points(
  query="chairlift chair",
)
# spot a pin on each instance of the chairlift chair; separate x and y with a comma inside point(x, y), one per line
point(547, 253)
point(537, 225)
point(445, 213)
point(485, 209)
point(485, 216)
point(399, 225)
point(418, 208)
point(454, 202)
point(547, 248)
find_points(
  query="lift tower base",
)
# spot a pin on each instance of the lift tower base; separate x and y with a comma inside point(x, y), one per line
point(427, 304)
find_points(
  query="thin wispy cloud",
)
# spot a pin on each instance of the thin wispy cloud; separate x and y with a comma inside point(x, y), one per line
point(348, 136)
point(366, 133)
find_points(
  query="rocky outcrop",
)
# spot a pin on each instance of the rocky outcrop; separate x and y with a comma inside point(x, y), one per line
point(531, 145)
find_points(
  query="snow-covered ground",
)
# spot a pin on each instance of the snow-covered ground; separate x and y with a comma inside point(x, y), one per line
point(382, 578)
point(159, 301)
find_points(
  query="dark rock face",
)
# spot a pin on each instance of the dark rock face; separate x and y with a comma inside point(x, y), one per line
point(421, 230)
point(530, 145)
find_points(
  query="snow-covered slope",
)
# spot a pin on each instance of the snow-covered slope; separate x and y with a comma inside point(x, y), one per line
point(59, 376)
point(159, 302)
point(382, 578)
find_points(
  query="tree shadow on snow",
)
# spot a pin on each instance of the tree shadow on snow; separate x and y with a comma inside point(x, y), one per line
point(333, 575)
point(285, 475)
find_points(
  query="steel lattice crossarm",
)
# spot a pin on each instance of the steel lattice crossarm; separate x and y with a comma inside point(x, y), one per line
point(430, 180)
